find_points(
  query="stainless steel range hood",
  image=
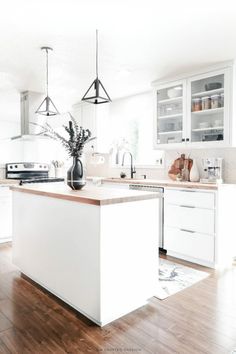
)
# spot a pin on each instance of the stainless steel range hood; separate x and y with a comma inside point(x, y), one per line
point(29, 102)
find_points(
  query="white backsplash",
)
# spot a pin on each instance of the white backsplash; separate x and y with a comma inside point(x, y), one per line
point(228, 155)
point(229, 165)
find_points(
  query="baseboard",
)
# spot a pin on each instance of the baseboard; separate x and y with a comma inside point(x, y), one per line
point(191, 259)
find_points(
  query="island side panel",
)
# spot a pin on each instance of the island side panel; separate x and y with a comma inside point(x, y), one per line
point(56, 243)
point(129, 256)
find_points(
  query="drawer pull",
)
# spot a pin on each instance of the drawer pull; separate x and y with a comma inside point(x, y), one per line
point(187, 206)
point(185, 230)
point(186, 190)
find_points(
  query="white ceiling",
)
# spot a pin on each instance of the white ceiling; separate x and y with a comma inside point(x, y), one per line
point(140, 41)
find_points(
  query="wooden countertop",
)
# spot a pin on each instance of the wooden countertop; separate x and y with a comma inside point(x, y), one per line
point(9, 182)
point(88, 195)
point(161, 183)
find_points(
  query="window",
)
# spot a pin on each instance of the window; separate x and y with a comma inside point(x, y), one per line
point(131, 128)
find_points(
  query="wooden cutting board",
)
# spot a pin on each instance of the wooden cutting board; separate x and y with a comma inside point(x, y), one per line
point(176, 170)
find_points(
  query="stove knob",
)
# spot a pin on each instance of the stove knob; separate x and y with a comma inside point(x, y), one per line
point(40, 166)
point(11, 166)
point(16, 166)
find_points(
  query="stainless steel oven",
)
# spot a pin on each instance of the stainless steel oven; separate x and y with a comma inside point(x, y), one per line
point(30, 172)
point(160, 194)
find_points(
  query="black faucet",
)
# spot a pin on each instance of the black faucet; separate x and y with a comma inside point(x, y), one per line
point(132, 168)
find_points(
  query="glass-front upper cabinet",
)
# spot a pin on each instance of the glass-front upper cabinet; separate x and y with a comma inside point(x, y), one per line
point(207, 123)
point(170, 113)
point(195, 111)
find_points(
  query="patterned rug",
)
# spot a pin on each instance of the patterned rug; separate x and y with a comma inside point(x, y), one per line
point(174, 277)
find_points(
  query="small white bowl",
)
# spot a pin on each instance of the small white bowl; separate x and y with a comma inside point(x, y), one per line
point(172, 93)
point(218, 123)
point(204, 125)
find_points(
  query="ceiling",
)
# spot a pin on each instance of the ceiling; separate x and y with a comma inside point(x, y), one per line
point(139, 41)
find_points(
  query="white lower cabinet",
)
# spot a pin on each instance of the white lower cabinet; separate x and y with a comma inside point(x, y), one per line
point(190, 225)
point(5, 214)
point(191, 198)
point(190, 243)
point(191, 218)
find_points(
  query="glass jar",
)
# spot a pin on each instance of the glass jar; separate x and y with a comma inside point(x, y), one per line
point(196, 104)
point(206, 102)
point(215, 101)
point(222, 97)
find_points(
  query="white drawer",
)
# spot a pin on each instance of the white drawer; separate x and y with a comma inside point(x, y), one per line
point(194, 245)
point(190, 198)
point(190, 218)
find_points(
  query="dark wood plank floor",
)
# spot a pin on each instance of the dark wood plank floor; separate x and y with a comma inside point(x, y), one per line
point(200, 319)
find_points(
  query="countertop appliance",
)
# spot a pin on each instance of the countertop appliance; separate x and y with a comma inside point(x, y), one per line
point(213, 168)
point(160, 193)
point(30, 172)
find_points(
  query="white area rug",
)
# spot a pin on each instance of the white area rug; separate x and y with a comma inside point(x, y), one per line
point(174, 277)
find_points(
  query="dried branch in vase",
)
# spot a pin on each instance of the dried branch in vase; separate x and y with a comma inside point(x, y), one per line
point(78, 136)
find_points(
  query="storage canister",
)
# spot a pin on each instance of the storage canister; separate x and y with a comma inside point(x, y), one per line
point(222, 96)
point(215, 101)
point(206, 102)
point(196, 104)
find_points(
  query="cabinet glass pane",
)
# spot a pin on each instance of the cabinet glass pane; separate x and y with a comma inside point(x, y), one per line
point(170, 115)
point(207, 109)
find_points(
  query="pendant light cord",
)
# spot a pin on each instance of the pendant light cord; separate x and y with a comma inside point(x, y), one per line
point(96, 53)
point(47, 71)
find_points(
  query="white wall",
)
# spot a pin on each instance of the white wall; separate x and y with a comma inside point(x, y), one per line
point(43, 150)
point(9, 113)
point(131, 118)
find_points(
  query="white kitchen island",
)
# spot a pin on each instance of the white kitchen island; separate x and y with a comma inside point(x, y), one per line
point(96, 249)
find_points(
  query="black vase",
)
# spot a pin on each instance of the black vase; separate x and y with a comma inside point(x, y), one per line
point(75, 175)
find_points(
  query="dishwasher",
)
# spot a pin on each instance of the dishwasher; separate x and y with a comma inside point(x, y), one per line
point(160, 193)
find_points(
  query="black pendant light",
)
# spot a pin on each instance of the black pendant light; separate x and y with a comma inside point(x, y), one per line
point(96, 93)
point(47, 107)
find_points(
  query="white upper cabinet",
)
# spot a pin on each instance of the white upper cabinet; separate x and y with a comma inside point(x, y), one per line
point(195, 111)
point(209, 108)
point(85, 115)
point(96, 119)
point(170, 113)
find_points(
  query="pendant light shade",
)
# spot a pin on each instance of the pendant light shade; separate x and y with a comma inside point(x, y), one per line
point(47, 107)
point(96, 92)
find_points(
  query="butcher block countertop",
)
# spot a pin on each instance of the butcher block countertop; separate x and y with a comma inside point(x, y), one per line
point(161, 183)
point(88, 195)
point(9, 182)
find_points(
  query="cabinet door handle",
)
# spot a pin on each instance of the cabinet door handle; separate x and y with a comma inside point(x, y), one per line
point(187, 139)
point(183, 139)
point(187, 206)
point(186, 190)
point(189, 191)
point(190, 231)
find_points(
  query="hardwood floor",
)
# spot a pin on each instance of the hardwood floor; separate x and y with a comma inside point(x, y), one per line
point(200, 319)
